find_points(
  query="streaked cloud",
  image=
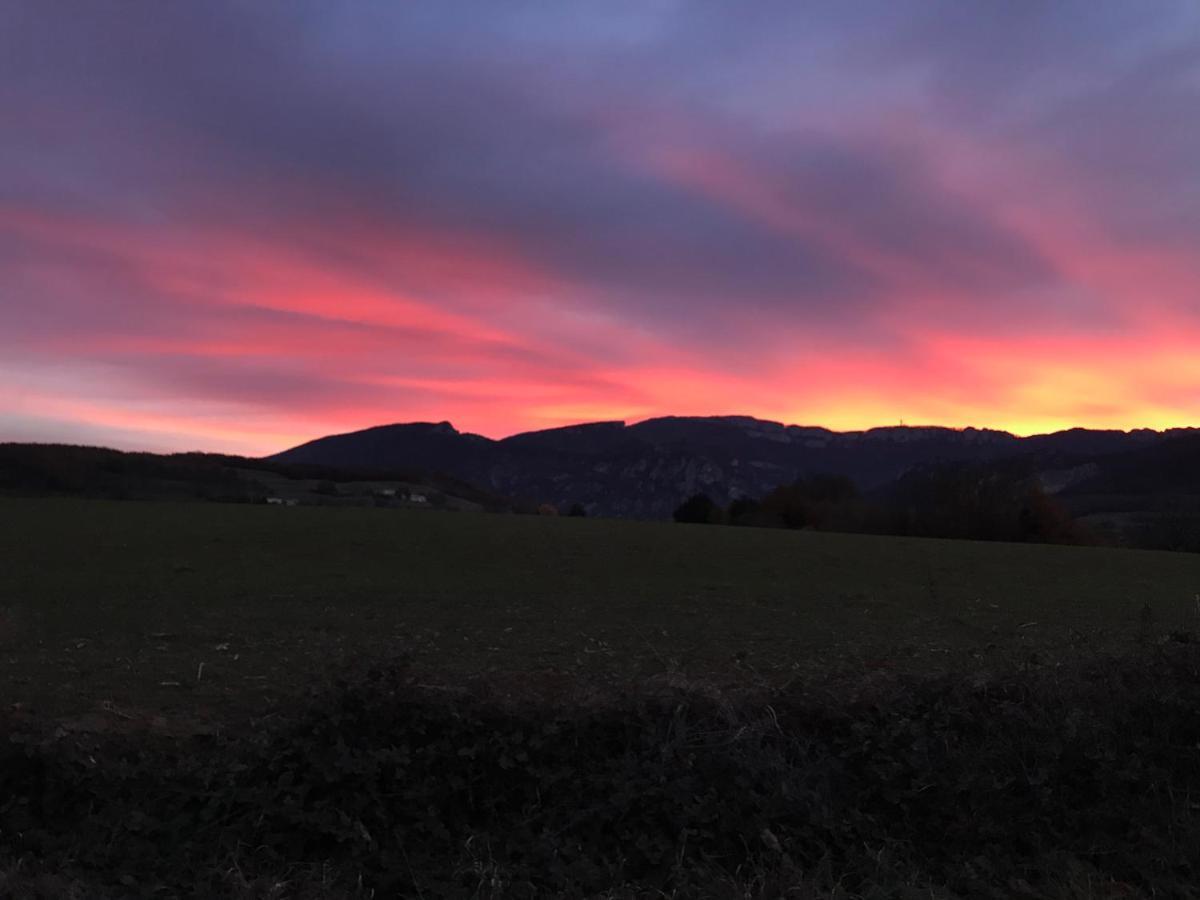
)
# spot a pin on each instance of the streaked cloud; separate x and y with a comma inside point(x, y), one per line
point(238, 225)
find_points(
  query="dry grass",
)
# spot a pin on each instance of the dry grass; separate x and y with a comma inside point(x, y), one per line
point(214, 611)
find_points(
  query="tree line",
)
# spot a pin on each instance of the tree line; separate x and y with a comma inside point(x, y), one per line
point(968, 501)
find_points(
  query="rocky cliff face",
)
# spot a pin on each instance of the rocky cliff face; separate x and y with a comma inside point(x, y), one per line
point(646, 470)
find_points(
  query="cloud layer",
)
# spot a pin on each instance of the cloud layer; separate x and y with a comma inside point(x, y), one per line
point(236, 225)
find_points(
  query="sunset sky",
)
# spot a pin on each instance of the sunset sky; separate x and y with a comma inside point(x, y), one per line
point(237, 226)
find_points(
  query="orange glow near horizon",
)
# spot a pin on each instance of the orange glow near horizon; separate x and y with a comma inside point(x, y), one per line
point(962, 220)
point(323, 352)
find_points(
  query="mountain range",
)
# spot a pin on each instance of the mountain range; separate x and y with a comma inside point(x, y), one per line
point(645, 469)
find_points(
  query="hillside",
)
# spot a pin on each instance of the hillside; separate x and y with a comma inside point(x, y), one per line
point(644, 470)
point(67, 470)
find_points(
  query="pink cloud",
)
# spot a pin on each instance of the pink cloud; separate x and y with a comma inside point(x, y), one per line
point(673, 216)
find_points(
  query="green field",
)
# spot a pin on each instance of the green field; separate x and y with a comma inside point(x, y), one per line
point(210, 609)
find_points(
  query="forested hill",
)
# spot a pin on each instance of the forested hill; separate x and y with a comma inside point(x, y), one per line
point(644, 470)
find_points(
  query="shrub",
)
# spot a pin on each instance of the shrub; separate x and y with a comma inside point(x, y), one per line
point(988, 787)
point(743, 511)
point(699, 508)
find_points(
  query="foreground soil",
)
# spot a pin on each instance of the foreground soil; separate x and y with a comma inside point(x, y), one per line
point(1049, 780)
point(203, 700)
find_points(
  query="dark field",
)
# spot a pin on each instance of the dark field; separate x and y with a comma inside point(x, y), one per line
point(204, 700)
point(212, 609)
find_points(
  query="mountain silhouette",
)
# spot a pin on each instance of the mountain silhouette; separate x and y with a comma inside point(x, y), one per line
point(644, 470)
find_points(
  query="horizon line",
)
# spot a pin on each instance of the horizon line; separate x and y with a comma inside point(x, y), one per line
point(626, 423)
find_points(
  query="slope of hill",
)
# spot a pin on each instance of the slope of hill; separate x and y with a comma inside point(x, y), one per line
point(1149, 496)
point(644, 470)
point(66, 470)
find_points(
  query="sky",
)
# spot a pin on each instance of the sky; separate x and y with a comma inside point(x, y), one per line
point(236, 226)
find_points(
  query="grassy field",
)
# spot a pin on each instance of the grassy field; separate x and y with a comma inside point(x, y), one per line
point(211, 610)
point(700, 712)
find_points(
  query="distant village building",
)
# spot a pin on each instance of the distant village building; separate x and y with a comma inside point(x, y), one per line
point(418, 498)
point(387, 492)
point(275, 501)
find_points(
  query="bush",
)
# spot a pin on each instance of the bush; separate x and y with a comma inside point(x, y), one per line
point(819, 501)
point(992, 787)
point(698, 508)
point(743, 511)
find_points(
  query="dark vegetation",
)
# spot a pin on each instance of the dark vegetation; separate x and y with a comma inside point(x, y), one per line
point(699, 509)
point(65, 470)
point(1153, 493)
point(1114, 478)
point(570, 707)
point(105, 602)
point(40, 469)
point(1137, 490)
point(1041, 782)
point(994, 502)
